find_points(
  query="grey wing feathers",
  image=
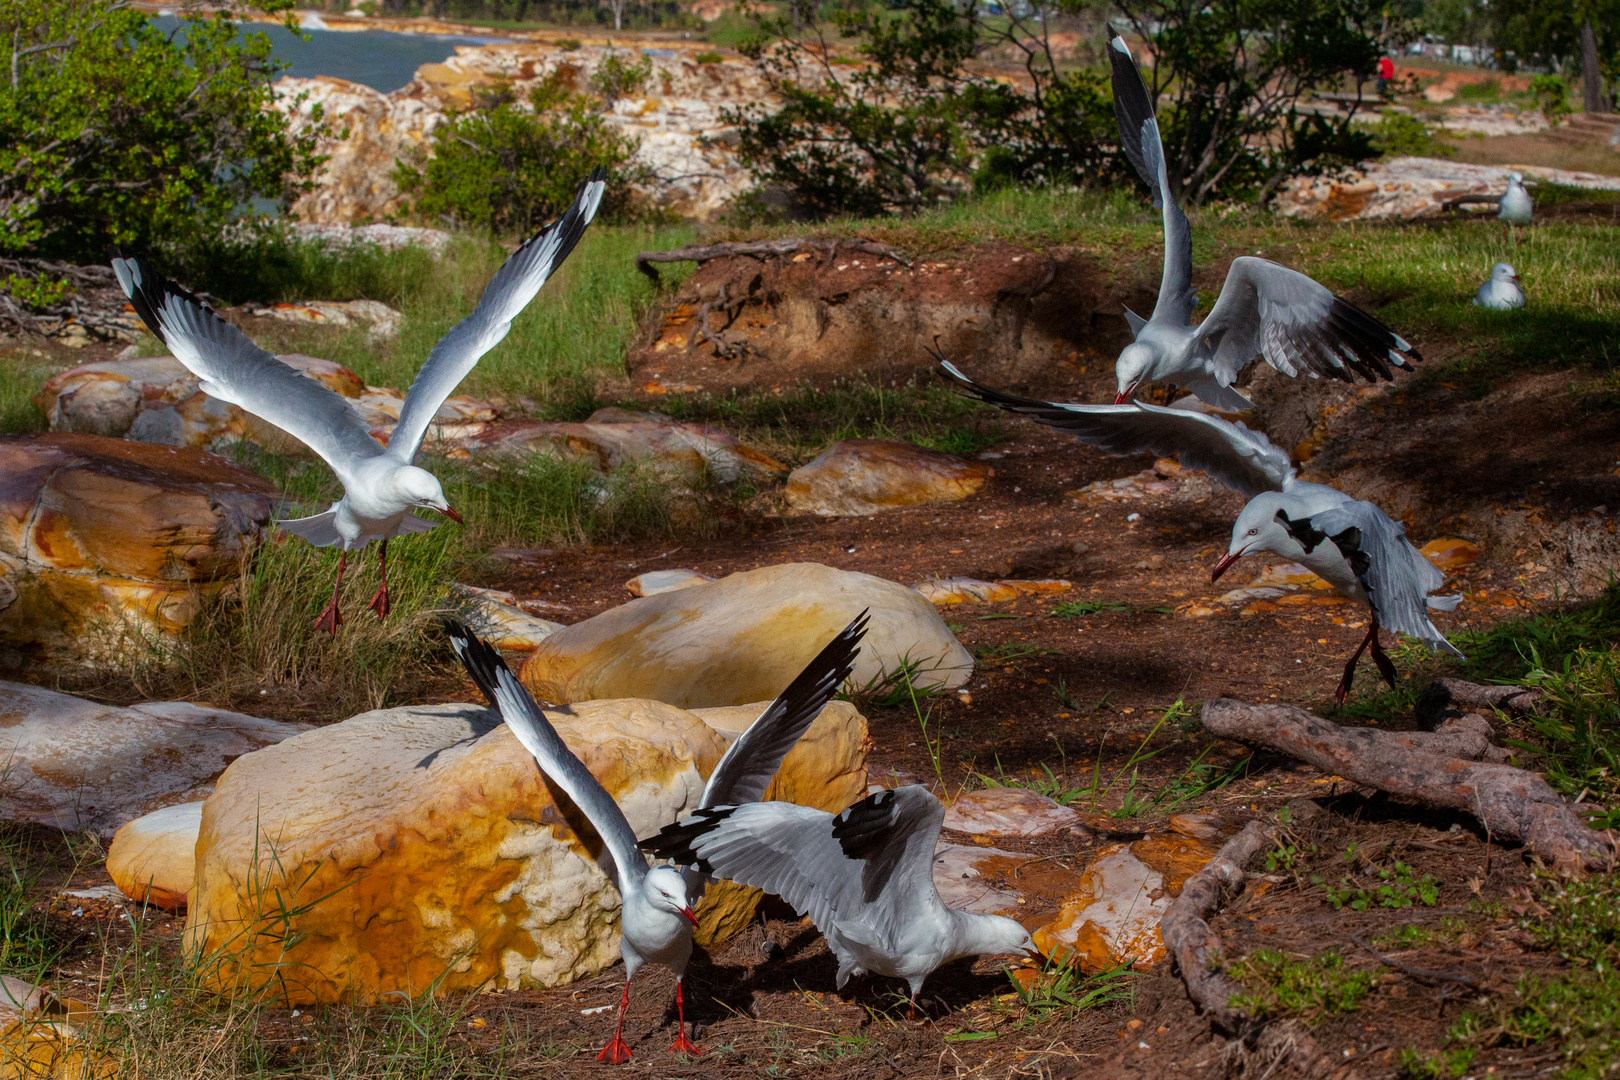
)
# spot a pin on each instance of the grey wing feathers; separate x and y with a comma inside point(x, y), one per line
point(1396, 576)
point(318, 529)
point(237, 371)
point(1132, 108)
point(1241, 459)
point(1298, 326)
point(745, 771)
point(535, 732)
point(507, 294)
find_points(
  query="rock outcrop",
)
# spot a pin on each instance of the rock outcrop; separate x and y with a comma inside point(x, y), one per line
point(854, 477)
point(743, 638)
point(1410, 187)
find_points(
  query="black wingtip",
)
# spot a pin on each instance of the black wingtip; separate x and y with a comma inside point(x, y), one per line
point(478, 656)
point(676, 843)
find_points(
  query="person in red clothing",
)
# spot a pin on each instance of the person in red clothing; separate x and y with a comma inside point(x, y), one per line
point(1386, 75)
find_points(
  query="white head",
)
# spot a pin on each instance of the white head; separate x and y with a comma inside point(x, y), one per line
point(1515, 179)
point(665, 889)
point(1257, 529)
point(1001, 936)
point(422, 489)
point(1134, 366)
point(1504, 272)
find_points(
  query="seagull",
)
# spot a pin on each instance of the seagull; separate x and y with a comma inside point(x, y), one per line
point(1352, 545)
point(381, 487)
point(657, 919)
point(1502, 291)
point(865, 878)
point(1515, 207)
point(1264, 308)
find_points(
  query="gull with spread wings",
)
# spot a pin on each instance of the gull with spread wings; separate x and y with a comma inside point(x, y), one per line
point(1264, 309)
point(381, 486)
point(1352, 545)
point(656, 920)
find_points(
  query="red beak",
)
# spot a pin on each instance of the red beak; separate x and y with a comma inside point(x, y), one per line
point(452, 515)
point(1122, 398)
point(690, 917)
point(1221, 567)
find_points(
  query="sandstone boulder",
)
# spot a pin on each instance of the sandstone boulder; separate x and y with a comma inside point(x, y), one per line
point(79, 765)
point(153, 859)
point(99, 536)
point(1008, 811)
point(855, 477)
point(495, 616)
point(743, 638)
point(948, 592)
point(684, 452)
point(654, 582)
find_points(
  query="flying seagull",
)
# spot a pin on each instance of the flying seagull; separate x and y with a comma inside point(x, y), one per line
point(1264, 309)
point(1352, 545)
point(656, 920)
point(1502, 291)
point(381, 487)
point(1515, 207)
point(865, 878)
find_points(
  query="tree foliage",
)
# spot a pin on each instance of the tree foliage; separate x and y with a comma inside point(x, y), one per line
point(1548, 32)
point(113, 132)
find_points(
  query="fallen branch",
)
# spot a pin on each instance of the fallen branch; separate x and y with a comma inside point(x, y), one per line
point(1193, 947)
point(1443, 693)
point(760, 249)
point(1509, 802)
point(1425, 974)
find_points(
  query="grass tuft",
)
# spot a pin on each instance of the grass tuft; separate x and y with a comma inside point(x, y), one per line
point(1309, 988)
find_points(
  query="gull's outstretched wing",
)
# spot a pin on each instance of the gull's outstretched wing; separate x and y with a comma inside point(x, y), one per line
point(745, 771)
point(237, 371)
point(872, 863)
point(1243, 460)
point(1397, 577)
point(1139, 135)
point(507, 294)
point(535, 732)
point(1298, 326)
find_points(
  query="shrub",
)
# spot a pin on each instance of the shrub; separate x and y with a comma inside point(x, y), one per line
point(1398, 134)
point(1552, 97)
point(616, 77)
point(708, 58)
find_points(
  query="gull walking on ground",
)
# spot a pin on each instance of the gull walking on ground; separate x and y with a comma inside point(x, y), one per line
point(656, 920)
point(1352, 545)
point(1516, 208)
point(1502, 291)
point(381, 487)
point(865, 878)
point(1264, 309)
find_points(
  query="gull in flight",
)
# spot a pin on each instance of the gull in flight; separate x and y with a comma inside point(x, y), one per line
point(1352, 545)
point(1264, 309)
point(381, 487)
point(1502, 291)
point(656, 920)
point(865, 878)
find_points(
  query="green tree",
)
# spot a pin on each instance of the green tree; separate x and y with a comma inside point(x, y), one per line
point(1563, 34)
point(113, 132)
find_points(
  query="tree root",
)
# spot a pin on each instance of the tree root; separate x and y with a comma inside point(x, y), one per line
point(1511, 803)
point(762, 249)
point(1444, 695)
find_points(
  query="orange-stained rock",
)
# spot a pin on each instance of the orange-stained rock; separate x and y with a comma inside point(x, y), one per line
point(654, 582)
point(41, 1036)
point(825, 770)
point(743, 638)
point(153, 859)
point(422, 850)
point(686, 452)
point(98, 532)
point(1008, 811)
point(494, 615)
point(945, 592)
point(1450, 553)
point(80, 765)
point(854, 477)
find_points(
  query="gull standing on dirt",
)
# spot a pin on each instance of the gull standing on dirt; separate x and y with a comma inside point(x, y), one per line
point(1352, 545)
point(381, 487)
point(1515, 207)
point(865, 877)
point(656, 919)
point(1502, 291)
point(1264, 309)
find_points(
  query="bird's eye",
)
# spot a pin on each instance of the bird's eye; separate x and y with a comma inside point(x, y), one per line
point(1252, 532)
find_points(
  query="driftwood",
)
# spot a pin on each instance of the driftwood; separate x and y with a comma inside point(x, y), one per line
point(762, 249)
point(1511, 803)
point(1445, 693)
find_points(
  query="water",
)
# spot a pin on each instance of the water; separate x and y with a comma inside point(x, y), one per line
point(376, 58)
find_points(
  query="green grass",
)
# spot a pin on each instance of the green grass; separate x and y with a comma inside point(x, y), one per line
point(1075, 609)
point(1310, 988)
point(21, 376)
point(1061, 991)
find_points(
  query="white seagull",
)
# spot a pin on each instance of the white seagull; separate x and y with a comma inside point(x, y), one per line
point(656, 920)
point(865, 878)
point(1352, 545)
point(1264, 309)
point(1502, 291)
point(1515, 207)
point(381, 487)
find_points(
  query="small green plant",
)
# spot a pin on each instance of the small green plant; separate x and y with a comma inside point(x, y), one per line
point(1552, 98)
point(1075, 609)
point(1397, 889)
point(39, 291)
point(961, 441)
point(1060, 690)
point(1411, 936)
point(1453, 1061)
point(1310, 988)
point(710, 57)
point(1283, 857)
point(616, 77)
point(1061, 990)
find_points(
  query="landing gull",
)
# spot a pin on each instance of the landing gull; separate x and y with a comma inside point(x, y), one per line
point(1264, 309)
point(1352, 545)
point(656, 920)
point(1502, 291)
point(381, 487)
point(865, 878)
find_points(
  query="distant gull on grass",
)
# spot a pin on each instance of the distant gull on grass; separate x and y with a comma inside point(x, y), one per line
point(381, 487)
point(865, 878)
point(1264, 309)
point(1502, 291)
point(1515, 207)
point(656, 920)
point(1352, 545)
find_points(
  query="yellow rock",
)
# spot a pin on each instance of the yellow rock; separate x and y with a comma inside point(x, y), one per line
point(153, 859)
point(863, 476)
point(945, 592)
point(1451, 554)
point(39, 1036)
point(743, 638)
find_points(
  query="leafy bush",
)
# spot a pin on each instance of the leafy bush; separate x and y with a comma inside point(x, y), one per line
point(616, 77)
point(1552, 97)
point(508, 167)
point(708, 58)
point(112, 132)
point(1397, 134)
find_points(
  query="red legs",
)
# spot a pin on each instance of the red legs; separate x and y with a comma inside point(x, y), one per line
point(332, 617)
point(681, 1045)
point(616, 1052)
point(1385, 667)
point(379, 602)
